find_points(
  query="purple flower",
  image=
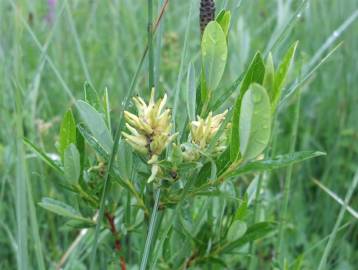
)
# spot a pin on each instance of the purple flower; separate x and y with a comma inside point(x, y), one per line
point(51, 13)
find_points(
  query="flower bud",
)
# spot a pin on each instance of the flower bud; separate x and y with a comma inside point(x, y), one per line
point(150, 128)
point(202, 132)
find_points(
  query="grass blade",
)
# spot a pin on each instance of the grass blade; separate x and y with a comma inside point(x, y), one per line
point(332, 237)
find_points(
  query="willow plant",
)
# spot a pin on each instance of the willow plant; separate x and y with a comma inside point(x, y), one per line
point(201, 216)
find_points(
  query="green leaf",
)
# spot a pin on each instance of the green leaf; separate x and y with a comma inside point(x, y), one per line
point(191, 92)
point(269, 78)
point(91, 96)
point(224, 19)
point(236, 230)
point(67, 132)
point(255, 73)
point(72, 165)
point(95, 123)
point(275, 163)
point(255, 122)
point(79, 224)
point(43, 156)
point(61, 208)
point(254, 232)
point(281, 75)
point(214, 54)
point(242, 209)
point(125, 160)
point(92, 141)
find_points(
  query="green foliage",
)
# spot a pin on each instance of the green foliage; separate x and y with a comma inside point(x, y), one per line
point(214, 56)
point(281, 75)
point(221, 194)
point(62, 209)
point(67, 133)
point(254, 74)
point(255, 122)
point(224, 19)
point(276, 162)
point(95, 123)
point(71, 164)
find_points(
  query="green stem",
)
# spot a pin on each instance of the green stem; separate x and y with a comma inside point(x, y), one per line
point(152, 223)
point(283, 219)
point(150, 45)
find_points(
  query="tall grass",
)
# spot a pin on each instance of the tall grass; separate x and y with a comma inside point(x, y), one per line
point(42, 71)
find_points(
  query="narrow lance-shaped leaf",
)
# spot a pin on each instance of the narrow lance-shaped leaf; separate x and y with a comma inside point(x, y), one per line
point(72, 165)
point(255, 73)
point(95, 123)
point(255, 122)
point(281, 75)
point(67, 132)
point(61, 208)
point(275, 163)
point(214, 56)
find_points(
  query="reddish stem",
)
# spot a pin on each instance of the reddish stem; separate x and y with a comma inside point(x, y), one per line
point(117, 242)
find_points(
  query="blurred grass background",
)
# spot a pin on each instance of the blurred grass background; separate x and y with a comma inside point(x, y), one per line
point(102, 42)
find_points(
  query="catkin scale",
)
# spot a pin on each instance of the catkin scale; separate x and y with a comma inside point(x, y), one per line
point(207, 13)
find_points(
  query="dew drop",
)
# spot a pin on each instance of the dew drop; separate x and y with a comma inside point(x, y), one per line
point(299, 15)
point(335, 34)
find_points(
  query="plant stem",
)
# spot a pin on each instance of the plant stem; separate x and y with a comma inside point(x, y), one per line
point(150, 45)
point(152, 223)
point(283, 219)
point(322, 264)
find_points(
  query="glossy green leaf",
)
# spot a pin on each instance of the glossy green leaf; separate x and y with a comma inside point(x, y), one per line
point(255, 73)
point(276, 163)
point(61, 208)
point(255, 122)
point(67, 132)
point(72, 166)
point(281, 75)
point(224, 19)
point(96, 125)
point(214, 54)
point(191, 92)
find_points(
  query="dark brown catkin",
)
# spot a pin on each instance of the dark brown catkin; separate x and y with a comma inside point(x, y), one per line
point(207, 13)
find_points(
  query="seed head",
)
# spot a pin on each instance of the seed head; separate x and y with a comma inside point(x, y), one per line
point(207, 13)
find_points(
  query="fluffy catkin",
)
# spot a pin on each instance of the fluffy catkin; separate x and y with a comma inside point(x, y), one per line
point(207, 13)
